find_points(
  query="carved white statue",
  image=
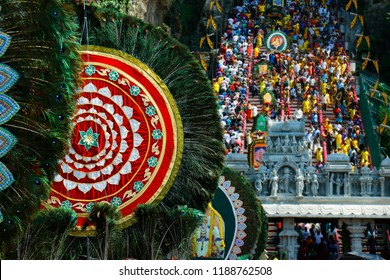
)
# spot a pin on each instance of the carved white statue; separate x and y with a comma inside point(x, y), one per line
point(314, 185)
point(274, 183)
point(299, 182)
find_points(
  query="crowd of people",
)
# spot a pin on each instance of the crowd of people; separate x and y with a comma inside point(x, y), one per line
point(315, 245)
point(313, 74)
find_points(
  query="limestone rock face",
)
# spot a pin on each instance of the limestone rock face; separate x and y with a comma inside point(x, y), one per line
point(152, 11)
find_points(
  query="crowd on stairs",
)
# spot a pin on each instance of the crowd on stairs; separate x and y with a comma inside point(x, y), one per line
point(310, 81)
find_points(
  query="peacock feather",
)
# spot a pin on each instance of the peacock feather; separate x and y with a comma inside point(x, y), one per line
point(44, 53)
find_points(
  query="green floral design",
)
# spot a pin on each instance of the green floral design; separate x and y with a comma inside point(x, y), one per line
point(157, 134)
point(150, 111)
point(134, 91)
point(89, 207)
point(113, 76)
point(116, 201)
point(152, 161)
point(90, 70)
point(138, 186)
point(66, 204)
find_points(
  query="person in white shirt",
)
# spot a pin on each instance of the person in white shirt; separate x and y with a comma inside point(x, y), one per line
point(298, 114)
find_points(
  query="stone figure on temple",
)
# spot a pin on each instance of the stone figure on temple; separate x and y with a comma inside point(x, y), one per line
point(314, 185)
point(286, 178)
point(274, 183)
point(300, 184)
point(259, 184)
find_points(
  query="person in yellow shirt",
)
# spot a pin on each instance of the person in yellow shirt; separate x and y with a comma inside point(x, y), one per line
point(261, 8)
point(259, 39)
point(324, 85)
point(326, 100)
point(306, 45)
point(352, 112)
point(338, 139)
point(216, 87)
point(296, 28)
point(262, 86)
point(355, 144)
point(364, 157)
point(345, 148)
point(256, 52)
point(319, 155)
point(328, 126)
point(286, 19)
point(306, 107)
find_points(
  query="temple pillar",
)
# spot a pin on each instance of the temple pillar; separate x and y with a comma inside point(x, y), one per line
point(357, 233)
point(288, 239)
point(382, 185)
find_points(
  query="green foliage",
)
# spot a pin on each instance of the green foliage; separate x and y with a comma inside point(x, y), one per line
point(44, 52)
point(162, 234)
point(108, 239)
point(47, 235)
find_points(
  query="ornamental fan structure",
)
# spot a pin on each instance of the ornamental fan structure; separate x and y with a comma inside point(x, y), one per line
point(8, 109)
point(127, 138)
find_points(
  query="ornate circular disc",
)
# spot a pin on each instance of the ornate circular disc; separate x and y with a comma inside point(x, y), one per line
point(277, 41)
point(127, 138)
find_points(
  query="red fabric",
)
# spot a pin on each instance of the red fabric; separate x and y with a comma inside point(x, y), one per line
point(101, 113)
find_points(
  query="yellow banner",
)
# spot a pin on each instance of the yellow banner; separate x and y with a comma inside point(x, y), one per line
point(361, 19)
point(211, 44)
point(353, 22)
point(202, 41)
point(368, 41)
point(218, 7)
point(376, 65)
point(365, 62)
point(384, 122)
point(376, 84)
point(213, 23)
point(212, 3)
point(385, 98)
point(355, 3)
point(359, 40)
point(208, 23)
point(348, 5)
point(202, 62)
